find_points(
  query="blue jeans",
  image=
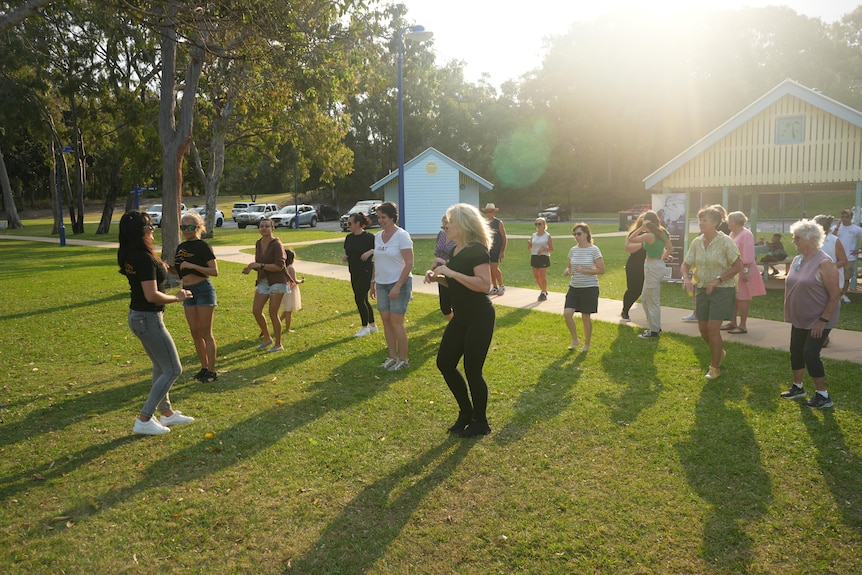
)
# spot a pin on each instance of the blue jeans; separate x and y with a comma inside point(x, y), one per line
point(150, 328)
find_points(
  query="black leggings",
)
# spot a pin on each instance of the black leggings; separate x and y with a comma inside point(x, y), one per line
point(805, 351)
point(470, 338)
point(445, 299)
point(634, 279)
point(361, 283)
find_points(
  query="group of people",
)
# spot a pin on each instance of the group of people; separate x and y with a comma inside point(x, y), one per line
point(464, 268)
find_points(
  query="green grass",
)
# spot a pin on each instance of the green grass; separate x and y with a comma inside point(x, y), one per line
point(622, 460)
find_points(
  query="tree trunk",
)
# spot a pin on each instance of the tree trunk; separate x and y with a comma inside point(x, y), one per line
point(12, 217)
point(174, 133)
point(110, 200)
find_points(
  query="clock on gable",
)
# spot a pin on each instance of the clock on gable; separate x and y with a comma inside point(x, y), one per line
point(790, 129)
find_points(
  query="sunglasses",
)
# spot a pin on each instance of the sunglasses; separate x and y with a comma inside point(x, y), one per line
point(188, 228)
point(444, 228)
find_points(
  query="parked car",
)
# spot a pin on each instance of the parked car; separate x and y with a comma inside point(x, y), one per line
point(629, 216)
point(254, 214)
point(367, 207)
point(325, 212)
point(286, 217)
point(239, 208)
point(155, 212)
point(555, 213)
point(219, 215)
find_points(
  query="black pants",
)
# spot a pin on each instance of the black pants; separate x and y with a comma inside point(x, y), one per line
point(634, 279)
point(468, 336)
point(361, 283)
point(805, 351)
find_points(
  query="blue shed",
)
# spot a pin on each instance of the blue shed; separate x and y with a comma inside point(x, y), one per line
point(432, 183)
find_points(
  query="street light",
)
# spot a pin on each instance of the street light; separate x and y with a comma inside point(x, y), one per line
point(418, 33)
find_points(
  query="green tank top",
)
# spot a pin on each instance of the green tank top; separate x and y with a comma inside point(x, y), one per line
point(655, 249)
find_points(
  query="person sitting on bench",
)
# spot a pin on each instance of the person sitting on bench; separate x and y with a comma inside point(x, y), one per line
point(776, 253)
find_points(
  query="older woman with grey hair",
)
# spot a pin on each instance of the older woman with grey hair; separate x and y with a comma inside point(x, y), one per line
point(812, 301)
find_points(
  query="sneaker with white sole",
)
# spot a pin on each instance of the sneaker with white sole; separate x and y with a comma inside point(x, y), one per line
point(363, 331)
point(372, 329)
point(794, 392)
point(818, 401)
point(501, 290)
point(149, 427)
point(388, 363)
point(689, 317)
point(176, 418)
point(493, 291)
point(713, 373)
point(399, 365)
point(845, 299)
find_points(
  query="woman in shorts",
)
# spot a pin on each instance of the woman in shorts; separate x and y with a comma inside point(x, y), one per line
point(541, 244)
point(392, 284)
point(195, 263)
point(271, 284)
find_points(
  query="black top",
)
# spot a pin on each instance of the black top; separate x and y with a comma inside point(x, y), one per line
point(197, 252)
point(463, 298)
point(356, 245)
point(141, 266)
point(497, 239)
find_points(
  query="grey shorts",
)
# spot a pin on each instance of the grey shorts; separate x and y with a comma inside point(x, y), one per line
point(719, 305)
point(399, 304)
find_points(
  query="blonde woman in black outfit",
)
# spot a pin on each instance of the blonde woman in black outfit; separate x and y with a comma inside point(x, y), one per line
point(468, 277)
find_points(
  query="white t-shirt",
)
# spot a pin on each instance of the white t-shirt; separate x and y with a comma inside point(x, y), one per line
point(829, 243)
point(585, 257)
point(539, 242)
point(849, 236)
point(388, 259)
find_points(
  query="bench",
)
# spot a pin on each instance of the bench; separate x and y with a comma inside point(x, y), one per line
point(767, 265)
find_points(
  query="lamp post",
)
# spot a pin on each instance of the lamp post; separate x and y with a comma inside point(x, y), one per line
point(418, 33)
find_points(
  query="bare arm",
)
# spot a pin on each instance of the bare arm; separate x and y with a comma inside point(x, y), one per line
point(153, 295)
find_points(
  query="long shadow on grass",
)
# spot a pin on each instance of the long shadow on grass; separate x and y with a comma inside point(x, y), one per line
point(722, 462)
point(635, 370)
point(233, 445)
point(356, 539)
point(75, 306)
point(840, 466)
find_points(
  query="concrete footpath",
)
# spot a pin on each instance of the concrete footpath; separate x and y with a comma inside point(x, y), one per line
point(844, 344)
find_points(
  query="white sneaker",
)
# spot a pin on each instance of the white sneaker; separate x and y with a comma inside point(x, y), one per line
point(690, 317)
point(389, 363)
point(501, 290)
point(363, 331)
point(845, 299)
point(176, 418)
point(151, 427)
point(399, 365)
point(372, 329)
point(493, 291)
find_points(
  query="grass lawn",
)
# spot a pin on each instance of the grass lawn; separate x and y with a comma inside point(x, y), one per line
point(313, 461)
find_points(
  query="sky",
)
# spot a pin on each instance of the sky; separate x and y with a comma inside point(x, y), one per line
point(505, 39)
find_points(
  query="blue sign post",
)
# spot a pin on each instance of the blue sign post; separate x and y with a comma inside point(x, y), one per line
point(65, 150)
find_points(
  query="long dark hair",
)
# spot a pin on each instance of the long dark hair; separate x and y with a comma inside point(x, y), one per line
point(653, 224)
point(361, 219)
point(132, 236)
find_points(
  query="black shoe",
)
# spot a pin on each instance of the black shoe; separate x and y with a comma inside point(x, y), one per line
point(795, 392)
point(460, 424)
point(817, 401)
point(199, 376)
point(209, 377)
point(649, 334)
point(625, 316)
point(476, 428)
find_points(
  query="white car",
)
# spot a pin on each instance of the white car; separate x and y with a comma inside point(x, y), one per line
point(219, 215)
point(155, 212)
point(286, 216)
point(254, 214)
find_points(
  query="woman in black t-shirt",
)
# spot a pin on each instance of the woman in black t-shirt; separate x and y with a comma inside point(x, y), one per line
point(195, 263)
point(468, 277)
point(359, 254)
point(146, 273)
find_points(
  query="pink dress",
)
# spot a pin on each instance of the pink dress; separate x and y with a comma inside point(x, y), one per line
point(744, 241)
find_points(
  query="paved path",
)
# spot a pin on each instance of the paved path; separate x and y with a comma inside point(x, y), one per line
point(844, 344)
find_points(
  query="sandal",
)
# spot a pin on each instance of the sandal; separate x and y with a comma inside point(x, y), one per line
point(737, 330)
point(727, 326)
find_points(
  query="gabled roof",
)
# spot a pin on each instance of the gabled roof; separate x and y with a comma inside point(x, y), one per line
point(470, 174)
point(785, 88)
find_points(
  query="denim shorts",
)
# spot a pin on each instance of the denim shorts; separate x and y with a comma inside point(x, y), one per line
point(263, 287)
point(203, 294)
point(399, 304)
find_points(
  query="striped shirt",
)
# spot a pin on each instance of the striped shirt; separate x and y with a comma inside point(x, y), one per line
point(584, 257)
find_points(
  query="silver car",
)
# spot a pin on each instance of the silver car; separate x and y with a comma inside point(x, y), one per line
point(286, 217)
